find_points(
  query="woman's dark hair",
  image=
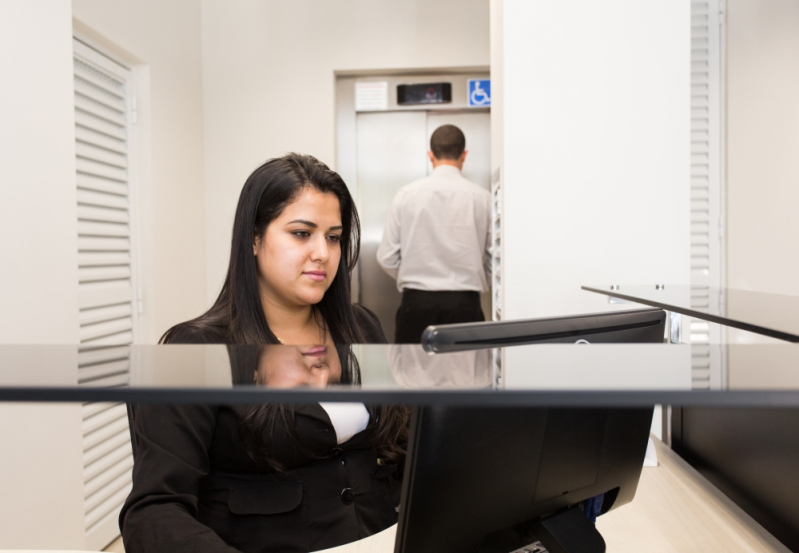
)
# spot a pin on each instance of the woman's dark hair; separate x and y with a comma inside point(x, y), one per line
point(237, 316)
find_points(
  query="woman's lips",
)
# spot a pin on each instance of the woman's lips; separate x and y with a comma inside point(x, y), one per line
point(318, 276)
point(316, 351)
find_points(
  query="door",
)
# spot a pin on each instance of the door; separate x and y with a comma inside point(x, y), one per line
point(391, 154)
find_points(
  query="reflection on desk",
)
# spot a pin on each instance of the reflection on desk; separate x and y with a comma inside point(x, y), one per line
point(412, 367)
point(396, 373)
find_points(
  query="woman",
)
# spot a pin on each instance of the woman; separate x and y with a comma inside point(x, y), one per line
point(296, 237)
point(274, 477)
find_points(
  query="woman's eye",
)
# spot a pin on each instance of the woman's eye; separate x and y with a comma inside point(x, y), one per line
point(334, 238)
point(301, 233)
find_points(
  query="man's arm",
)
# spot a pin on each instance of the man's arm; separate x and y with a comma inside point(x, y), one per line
point(389, 253)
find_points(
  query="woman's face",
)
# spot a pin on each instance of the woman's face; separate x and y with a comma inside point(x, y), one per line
point(299, 253)
point(293, 366)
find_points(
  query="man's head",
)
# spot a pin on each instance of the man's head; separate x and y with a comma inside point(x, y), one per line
point(447, 146)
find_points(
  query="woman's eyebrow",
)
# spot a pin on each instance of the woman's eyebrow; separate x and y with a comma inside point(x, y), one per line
point(309, 223)
point(313, 225)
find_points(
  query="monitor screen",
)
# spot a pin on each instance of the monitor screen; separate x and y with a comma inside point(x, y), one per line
point(486, 480)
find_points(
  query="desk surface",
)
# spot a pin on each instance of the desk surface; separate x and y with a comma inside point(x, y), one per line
point(546, 375)
point(675, 510)
point(774, 315)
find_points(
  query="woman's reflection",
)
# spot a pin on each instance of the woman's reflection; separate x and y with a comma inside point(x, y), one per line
point(313, 366)
point(293, 366)
point(266, 477)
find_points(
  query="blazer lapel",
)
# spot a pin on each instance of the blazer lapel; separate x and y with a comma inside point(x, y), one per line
point(315, 411)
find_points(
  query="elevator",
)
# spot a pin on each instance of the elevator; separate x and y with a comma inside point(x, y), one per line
point(380, 150)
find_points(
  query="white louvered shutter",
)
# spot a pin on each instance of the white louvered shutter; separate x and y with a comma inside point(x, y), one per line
point(706, 188)
point(106, 281)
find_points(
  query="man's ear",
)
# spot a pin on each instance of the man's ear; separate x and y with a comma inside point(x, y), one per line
point(432, 157)
point(463, 156)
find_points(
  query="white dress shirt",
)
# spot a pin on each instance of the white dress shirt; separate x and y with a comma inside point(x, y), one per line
point(437, 236)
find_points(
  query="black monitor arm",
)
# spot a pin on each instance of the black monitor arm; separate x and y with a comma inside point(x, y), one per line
point(569, 531)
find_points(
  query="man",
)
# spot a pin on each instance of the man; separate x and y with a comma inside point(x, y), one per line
point(436, 242)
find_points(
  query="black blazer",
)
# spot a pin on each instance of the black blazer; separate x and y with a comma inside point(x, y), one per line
point(195, 487)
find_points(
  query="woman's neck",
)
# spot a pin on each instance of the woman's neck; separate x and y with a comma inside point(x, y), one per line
point(292, 325)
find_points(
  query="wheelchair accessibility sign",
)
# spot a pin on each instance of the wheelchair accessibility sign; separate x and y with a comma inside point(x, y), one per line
point(479, 92)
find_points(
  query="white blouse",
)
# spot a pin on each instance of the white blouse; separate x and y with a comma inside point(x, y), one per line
point(348, 419)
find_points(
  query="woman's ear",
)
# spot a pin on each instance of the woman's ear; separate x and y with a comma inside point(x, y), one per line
point(256, 245)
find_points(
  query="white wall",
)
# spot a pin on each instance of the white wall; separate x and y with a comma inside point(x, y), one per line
point(268, 80)
point(162, 41)
point(38, 205)
point(41, 460)
point(763, 145)
point(41, 491)
point(596, 149)
point(41, 502)
point(497, 146)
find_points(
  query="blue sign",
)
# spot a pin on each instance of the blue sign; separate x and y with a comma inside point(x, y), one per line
point(479, 92)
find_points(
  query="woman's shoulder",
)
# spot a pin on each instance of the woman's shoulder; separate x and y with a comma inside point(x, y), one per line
point(194, 333)
point(369, 324)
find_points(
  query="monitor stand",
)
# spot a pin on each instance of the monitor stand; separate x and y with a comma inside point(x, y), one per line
point(569, 531)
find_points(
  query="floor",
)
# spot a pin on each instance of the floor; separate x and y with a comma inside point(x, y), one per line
point(116, 546)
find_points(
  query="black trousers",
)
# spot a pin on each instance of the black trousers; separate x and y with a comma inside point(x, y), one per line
point(420, 309)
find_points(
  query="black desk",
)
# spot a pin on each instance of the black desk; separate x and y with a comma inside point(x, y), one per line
point(762, 382)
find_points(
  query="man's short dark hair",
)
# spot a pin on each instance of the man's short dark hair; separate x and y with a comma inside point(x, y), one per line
point(447, 142)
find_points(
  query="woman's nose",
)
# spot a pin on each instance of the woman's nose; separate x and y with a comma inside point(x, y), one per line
point(320, 378)
point(321, 250)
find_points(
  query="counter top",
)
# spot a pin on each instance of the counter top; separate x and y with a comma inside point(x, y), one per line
point(538, 375)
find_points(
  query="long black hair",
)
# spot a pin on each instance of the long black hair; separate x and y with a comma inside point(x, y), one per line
point(237, 314)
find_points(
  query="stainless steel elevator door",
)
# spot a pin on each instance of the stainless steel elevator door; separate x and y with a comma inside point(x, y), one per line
point(392, 152)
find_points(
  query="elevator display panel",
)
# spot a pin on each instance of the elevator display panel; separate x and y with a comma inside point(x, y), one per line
point(424, 93)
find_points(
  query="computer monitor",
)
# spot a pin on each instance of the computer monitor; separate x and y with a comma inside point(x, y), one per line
point(494, 480)
point(640, 326)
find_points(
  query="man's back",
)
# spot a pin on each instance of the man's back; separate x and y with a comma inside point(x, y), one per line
point(438, 234)
point(436, 242)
